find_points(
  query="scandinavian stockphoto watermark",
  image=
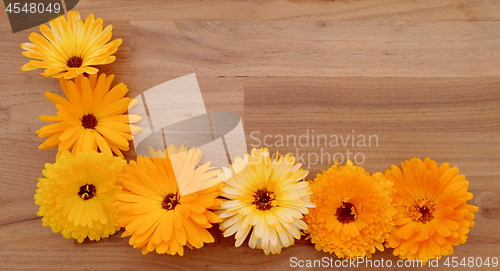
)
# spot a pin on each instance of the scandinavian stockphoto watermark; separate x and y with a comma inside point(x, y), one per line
point(364, 262)
point(359, 262)
point(313, 148)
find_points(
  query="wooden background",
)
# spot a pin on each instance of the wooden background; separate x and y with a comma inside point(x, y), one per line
point(424, 76)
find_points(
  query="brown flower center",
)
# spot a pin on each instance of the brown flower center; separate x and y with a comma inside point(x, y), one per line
point(87, 191)
point(346, 213)
point(89, 121)
point(422, 210)
point(263, 199)
point(170, 201)
point(74, 62)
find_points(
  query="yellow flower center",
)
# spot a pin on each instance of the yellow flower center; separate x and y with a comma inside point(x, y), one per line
point(170, 201)
point(74, 62)
point(263, 199)
point(346, 213)
point(89, 121)
point(87, 191)
point(422, 210)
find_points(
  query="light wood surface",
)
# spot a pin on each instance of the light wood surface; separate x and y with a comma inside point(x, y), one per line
point(423, 76)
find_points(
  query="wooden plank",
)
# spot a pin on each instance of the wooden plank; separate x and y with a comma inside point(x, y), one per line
point(368, 10)
point(315, 48)
point(376, 10)
point(448, 119)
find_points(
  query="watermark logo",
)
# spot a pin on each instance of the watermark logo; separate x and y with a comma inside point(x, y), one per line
point(25, 14)
point(359, 262)
point(174, 113)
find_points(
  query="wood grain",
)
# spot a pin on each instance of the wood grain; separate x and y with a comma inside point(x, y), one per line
point(370, 10)
point(317, 48)
point(423, 76)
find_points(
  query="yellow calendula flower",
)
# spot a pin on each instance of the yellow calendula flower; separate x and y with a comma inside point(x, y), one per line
point(91, 118)
point(76, 196)
point(70, 47)
point(166, 200)
point(354, 210)
point(267, 199)
point(432, 210)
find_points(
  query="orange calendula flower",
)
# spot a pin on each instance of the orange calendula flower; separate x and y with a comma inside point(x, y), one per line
point(70, 47)
point(353, 214)
point(165, 201)
point(432, 210)
point(91, 118)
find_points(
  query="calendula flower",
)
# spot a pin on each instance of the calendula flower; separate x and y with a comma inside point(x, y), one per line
point(158, 207)
point(91, 118)
point(432, 210)
point(238, 165)
point(267, 197)
point(354, 210)
point(76, 196)
point(171, 150)
point(70, 48)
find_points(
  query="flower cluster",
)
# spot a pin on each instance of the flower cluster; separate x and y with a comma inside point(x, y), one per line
point(419, 210)
point(168, 200)
point(90, 127)
point(163, 202)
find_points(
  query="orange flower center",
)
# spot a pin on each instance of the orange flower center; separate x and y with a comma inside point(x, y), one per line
point(89, 121)
point(263, 199)
point(346, 213)
point(74, 62)
point(87, 191)
point(422, 210)
point(170, 201)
